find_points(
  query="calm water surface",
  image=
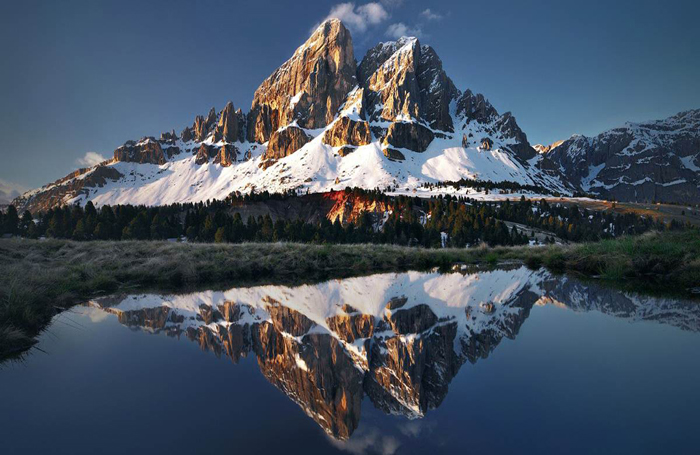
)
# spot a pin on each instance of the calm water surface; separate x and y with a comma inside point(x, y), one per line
point(505, 361)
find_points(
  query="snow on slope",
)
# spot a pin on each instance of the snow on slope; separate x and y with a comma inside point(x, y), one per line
point(407, 87)
point(316, 167)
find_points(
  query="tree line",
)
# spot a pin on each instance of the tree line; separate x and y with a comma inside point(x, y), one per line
point(403, 220)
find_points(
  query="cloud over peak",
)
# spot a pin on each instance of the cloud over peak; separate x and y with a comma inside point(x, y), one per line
point(400, 29)
point(359, 18)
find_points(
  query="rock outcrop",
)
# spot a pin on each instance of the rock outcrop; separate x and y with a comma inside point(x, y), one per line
point(409, 135)
point(283, 143)
point(475, 108)
point(147, 150)
point(204, 154)
point(393, 154)
point(204, 125)
point(308, 88)
point(231, 125)
point(227, 155)
point(346, 131)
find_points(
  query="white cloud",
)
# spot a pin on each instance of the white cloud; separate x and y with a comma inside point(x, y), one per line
point(364, 441)
point(430, 15)
point(400, 29)
point(9, 191)
point(374, 12)
point(358, 18)
point(391, 3)
point(90, 159)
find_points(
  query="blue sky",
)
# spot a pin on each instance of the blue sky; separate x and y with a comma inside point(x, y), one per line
point(83, 77)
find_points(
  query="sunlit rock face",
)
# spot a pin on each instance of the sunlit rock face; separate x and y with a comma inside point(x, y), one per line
point(308, 88)
point(399, 339)
point(283, 143)
point(147, 150)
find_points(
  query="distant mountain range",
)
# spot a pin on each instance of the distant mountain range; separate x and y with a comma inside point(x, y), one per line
point(653, 161)
point(393, 121)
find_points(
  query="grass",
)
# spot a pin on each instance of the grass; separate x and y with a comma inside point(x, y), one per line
point(40, 278)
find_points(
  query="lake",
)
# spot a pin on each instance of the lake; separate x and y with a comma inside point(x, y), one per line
point(499, 361)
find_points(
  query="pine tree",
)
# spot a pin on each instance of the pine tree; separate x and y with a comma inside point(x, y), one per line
point(11, 221)
point(220, 236)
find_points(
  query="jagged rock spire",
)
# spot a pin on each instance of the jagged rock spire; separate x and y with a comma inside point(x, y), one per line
point(309, 87)
point(405, 80)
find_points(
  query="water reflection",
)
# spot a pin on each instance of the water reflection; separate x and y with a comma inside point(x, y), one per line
point(398, 339)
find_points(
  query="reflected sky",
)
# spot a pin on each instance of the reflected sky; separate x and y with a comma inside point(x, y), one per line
point(499, 361)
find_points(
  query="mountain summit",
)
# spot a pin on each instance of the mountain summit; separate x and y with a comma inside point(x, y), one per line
point(319, 122)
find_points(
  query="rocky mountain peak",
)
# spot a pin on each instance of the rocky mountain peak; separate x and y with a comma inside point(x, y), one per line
point(405, 81)
point(436, 90)
point(397, 103)
point(203, 125)
point(392, 88)
point(309, 87)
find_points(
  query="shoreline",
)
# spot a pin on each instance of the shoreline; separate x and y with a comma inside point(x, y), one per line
point(38, 279)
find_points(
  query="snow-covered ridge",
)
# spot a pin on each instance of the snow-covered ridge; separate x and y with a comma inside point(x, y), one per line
point(644, 162)
point(216, 156)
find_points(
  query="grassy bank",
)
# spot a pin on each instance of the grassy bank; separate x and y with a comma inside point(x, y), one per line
point(39, 278)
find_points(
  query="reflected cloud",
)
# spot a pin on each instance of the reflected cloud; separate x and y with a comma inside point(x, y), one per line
point(367, 442)
point(96, 315)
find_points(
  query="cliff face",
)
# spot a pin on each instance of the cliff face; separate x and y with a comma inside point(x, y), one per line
point(405, 81)
point(307, 89)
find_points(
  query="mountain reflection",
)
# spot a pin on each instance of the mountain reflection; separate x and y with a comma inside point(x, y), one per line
point(398, 338)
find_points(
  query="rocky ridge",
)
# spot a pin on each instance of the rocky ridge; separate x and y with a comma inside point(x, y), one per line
point(656, 161)
point(322, 120)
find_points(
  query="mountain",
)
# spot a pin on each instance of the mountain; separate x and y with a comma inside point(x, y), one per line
point(639, 162)
point(321, 121)
point(397, 338)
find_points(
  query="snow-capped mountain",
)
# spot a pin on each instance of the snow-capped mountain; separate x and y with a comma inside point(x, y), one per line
point(321, 121)
point(643, 162)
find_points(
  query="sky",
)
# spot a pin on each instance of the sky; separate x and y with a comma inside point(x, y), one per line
point(79, 78)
